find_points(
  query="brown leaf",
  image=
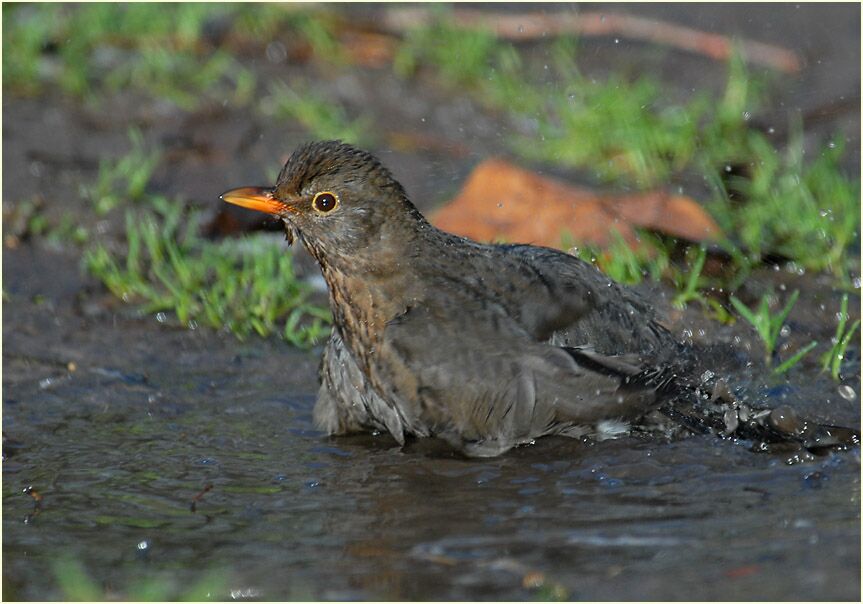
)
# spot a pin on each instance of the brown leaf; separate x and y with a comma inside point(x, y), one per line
point(369, 49)
point(501, 201)
point(675, 215)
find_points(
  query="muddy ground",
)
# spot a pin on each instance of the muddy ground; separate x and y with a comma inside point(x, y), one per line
point(119, 421)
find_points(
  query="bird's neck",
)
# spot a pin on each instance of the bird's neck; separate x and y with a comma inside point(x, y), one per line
point(375, 284)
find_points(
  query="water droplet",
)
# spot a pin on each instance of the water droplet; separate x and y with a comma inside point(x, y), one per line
point(617, 40)
point(847, 392)
point(747, 116)
point(831, 145)
point(727, 168)
point(771, 130)
point(276, 52)
point(796, 269)
point(247, 593)
point(161, 317)
point(143, 545)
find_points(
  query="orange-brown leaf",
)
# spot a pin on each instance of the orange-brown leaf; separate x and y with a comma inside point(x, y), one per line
point(501, 201)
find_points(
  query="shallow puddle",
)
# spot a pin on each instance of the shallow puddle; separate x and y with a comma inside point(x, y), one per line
point(202, 458)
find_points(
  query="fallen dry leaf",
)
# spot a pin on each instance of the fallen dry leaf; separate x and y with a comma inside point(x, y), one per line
point(676, 215)
point(368, 49)
point(503, 202)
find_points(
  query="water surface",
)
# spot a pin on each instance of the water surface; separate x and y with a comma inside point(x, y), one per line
point(153, 419)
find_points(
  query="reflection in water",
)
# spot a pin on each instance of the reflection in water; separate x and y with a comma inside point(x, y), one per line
point(469, 530)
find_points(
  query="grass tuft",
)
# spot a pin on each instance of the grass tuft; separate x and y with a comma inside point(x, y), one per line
point(87, 50)
point(247, 287)
point(769, 326)
point(74, 582)
point(125, 179)
point(323, 119)
point(625, 264)
point(76, 585)
point(807, 213)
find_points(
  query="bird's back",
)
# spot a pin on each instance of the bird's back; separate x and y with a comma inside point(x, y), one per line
point(556, 297)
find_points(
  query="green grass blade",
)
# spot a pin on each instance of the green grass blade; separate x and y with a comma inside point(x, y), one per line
point(840, 350)
point(788, 364)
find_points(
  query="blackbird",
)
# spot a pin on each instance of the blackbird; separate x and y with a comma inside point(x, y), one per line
point(483, 346)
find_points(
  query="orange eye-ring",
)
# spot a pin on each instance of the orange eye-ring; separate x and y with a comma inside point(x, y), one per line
point(325, 202)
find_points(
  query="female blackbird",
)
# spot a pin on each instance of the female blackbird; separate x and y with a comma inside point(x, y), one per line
point(484, 346)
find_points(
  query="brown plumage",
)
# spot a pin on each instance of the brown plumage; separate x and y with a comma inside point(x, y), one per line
point(484, 346)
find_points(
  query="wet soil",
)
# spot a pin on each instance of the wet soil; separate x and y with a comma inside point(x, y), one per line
point(121, 422)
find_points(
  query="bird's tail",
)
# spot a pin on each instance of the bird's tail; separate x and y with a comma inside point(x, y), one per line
point(708, 407)
point(722, 414)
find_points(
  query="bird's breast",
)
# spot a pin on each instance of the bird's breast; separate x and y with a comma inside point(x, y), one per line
point(361, 309)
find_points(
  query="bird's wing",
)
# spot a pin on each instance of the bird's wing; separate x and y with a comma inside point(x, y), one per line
point(470, 372)
point(568, 297)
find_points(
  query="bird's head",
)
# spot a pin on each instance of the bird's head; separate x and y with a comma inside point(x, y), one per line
point(338, 199)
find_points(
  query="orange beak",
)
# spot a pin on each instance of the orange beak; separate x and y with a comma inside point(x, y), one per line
point(256, 198)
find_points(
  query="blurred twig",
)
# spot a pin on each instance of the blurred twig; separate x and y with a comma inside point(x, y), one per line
point(530, 26)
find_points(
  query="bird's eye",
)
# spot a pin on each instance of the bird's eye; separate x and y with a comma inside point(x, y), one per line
point(325, 202)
